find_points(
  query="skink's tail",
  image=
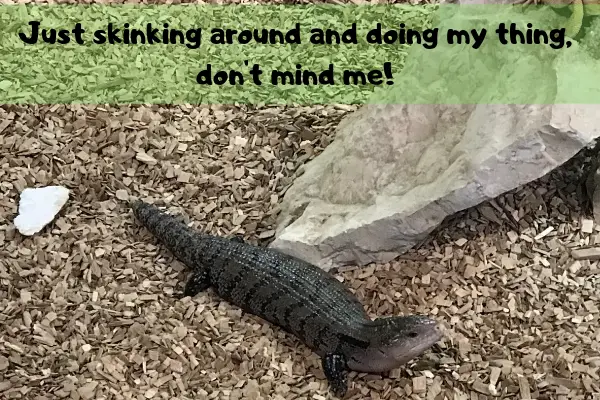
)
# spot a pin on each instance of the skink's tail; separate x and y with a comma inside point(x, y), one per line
point(162, 225)
point(169, 230)
point(151, 217)
point(141, 210)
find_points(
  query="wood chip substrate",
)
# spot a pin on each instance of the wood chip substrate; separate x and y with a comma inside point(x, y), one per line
point(89, 308)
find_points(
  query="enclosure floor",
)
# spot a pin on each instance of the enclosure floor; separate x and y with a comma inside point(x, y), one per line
point(89, 307)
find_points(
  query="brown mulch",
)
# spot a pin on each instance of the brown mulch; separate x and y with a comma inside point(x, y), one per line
point(88, 306)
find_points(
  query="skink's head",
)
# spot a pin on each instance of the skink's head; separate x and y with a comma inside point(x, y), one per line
point(407, 337)
point(395, 341)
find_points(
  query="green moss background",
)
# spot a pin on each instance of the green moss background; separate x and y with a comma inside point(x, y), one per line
point(158, 73)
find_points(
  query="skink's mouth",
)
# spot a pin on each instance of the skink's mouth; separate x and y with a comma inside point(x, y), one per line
point(400, 340)
point(413, 349)
point(389, 357)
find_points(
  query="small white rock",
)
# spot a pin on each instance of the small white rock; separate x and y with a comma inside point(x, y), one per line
point(38, 207)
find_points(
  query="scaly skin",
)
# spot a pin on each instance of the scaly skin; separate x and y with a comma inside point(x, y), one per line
point(299, 297)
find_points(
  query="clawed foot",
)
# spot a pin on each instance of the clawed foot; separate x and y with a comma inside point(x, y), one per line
point(334, 367)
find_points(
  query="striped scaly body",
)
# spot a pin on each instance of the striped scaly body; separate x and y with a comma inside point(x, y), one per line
point(297, 296)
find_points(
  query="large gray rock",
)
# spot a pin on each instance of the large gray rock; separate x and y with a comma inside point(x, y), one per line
point(395, 171)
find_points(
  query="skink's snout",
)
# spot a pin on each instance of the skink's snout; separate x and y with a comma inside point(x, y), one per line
point(424, 327)
point(420, 320)
point(398, 340)
point(438, 330)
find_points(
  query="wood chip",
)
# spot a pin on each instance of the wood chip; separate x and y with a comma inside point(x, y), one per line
point(544, 233)
point(461, 242)
point(87, 391)
point(184, 177)
point(587, 225)
point(145, 158)
point(25, 296)
point(592, 253)
point(419, 384)
point(524, 388)
point(122, 194)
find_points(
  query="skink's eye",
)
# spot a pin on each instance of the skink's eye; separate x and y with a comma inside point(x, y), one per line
point(413, 334)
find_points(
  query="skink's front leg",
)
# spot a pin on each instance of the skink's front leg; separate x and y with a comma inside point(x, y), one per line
point(198, 282)
point(335, 369)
